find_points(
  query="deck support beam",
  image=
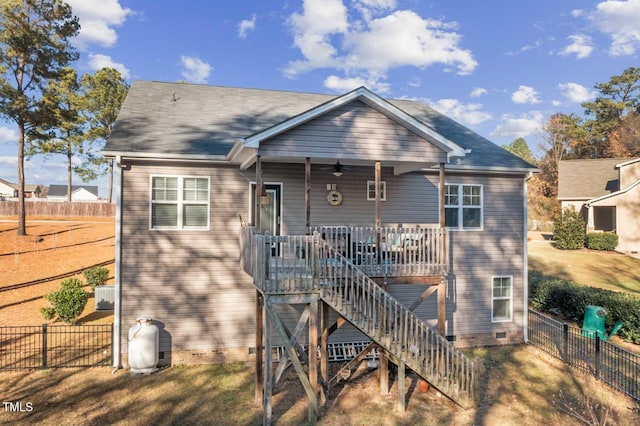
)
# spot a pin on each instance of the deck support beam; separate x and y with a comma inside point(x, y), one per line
point(259, 347)
point(378, 176)
point(307, 194)
point(442, 303)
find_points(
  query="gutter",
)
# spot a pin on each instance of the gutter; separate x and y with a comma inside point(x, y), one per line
point(117, 313)
point(525, 262)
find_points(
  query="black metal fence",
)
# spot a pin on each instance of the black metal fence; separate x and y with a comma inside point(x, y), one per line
point(28, 347)
point(607, 362)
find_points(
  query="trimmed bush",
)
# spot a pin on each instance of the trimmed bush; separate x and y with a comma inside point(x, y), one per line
point(68, 302)
point(602, 241)
point(96, 276)
point(569, 300)
point(48, 313)
point(569, 231)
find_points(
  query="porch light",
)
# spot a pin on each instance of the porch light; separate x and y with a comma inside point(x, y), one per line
point(337, 169)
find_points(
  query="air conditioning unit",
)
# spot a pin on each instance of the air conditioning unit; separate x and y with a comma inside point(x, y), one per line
point(105, 297)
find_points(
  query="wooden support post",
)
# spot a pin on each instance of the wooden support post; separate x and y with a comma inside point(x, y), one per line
point(383, 369)
point(442, 195)
point(259, 348)
point(402, 392)
point(259, 185)
point(307, 194)
point(324, 355)
point(268, 371)
point(442, 315)
point(313, 358)
point(378, 174)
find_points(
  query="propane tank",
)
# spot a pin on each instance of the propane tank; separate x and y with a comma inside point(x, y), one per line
point(144, 346)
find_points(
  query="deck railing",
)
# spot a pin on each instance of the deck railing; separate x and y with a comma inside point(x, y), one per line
point(299, 264)
point(393, 326)
point(391, 251)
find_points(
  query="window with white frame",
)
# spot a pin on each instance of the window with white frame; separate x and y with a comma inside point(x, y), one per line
point(179, 202)
point(502, 299)
point(463, 206)
point(371, 190)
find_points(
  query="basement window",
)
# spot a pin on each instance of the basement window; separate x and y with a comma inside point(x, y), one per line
point(502, 299)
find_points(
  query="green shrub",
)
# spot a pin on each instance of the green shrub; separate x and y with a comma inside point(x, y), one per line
point(569, 230)
point(68, 302)
point(48, 313)
point(602, 241)
point(96, 276)
point(569, 300)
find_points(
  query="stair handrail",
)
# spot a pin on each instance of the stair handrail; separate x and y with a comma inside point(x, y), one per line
point(394, 327)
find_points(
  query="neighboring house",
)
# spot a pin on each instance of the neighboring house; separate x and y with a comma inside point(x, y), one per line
point(10, 190)
point(78, 193)
point(189, 158)
point(6, 188)
point(607, 192)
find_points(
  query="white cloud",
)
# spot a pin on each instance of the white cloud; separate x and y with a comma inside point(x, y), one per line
point(521, 126)
point(246, 25)
point(477, 92)
point(8, 135)
point(621, 21)
point(415, 82)
point(327, 39)
point(525, 95)
point(576, 13)
point(346, 84)
point(195, 69)
point(98, 61)
point(9, 160)
point(581, 46)
point(576, 93)
point(469, 114)
point(97, 19)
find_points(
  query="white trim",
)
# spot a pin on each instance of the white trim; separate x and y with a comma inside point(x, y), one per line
point(180, 202)
point(166, 156)
point(374, 101)
point(461, 207)
point(510, 298)
point(613, 194)
point(383, 187)
point(525, 264)
point(117, 308)
point(626, 163)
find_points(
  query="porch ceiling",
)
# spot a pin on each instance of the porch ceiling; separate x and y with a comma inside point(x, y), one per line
point(399, 167)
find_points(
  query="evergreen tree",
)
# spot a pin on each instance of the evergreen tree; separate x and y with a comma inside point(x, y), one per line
point(34, 48)
point(62, 98)
point(520, 148)
point(104, 93)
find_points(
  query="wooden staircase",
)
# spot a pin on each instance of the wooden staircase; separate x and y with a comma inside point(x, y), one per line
point(396, 329)
point(305, 268)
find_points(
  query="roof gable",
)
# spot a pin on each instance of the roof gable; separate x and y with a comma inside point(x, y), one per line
point(61, 190)
point(374, 101)
point(586, 179)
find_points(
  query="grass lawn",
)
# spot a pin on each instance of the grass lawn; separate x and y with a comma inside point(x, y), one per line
point(519, 386)
point(607, 270)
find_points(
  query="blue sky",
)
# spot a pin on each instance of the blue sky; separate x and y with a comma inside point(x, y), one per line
point(499, 67)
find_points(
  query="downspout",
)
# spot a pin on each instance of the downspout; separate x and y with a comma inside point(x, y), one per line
point(525, 262)
point(117, 313)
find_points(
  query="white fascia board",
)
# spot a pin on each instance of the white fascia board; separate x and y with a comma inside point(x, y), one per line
point(374, 101)
point(164, 156)
point(626, 163)
point(613, 194)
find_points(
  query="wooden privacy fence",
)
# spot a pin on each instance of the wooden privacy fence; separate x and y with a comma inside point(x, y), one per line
point(59, 208)
point(609, 363)
point(48, 346)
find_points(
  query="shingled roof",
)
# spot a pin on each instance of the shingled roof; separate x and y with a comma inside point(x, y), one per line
point(160, 119)
point(587, 179)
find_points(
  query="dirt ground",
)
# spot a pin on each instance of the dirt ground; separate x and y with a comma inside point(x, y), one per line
point(519, 386)
point(34, 265)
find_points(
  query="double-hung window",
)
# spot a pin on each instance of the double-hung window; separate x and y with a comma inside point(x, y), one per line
point(502, 299)
point(371, 190)
point(179, 202)
point(463, 206)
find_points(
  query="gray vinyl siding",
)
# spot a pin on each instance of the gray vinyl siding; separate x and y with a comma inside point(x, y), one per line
point(190, 282)
point(477, 256)
point(353, 131)
point(187, 280)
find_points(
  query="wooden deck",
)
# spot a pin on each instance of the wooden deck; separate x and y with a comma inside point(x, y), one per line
point(334, 270)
